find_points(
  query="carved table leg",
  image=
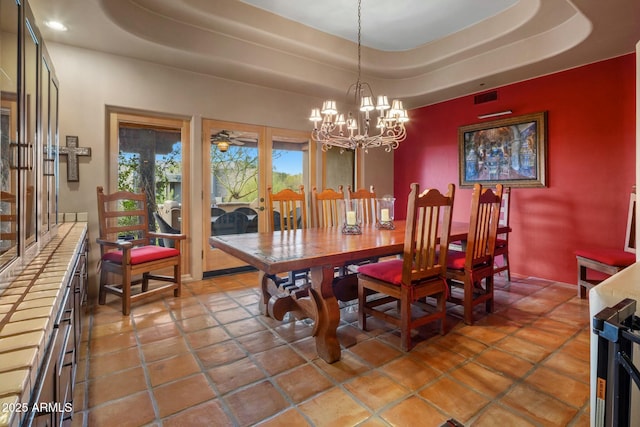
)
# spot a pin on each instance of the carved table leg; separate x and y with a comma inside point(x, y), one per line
point(263, 281)
point(327, 344)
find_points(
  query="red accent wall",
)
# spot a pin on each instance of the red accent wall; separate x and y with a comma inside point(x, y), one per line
point(590, 162)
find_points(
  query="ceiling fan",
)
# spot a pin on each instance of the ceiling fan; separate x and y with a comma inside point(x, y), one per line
point(224, 138)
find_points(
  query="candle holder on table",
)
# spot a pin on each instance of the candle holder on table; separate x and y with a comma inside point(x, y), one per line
point(351, 217)
point(385, 213)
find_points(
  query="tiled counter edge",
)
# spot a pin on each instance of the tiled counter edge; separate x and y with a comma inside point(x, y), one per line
point(30, 310)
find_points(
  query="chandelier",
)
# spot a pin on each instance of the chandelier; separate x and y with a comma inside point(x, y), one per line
point(374, 125)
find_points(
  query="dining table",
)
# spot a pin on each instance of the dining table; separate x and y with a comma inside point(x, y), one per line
point(321, 251)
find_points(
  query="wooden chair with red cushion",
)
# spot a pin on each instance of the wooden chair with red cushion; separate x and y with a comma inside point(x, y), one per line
point(128, 250)
point(502, 240)
point(367, 203)
point(607, 261)
point(325, 207)
point(420, 274)
point(467, 269)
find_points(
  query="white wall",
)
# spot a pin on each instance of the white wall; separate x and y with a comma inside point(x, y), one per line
point(90, 81)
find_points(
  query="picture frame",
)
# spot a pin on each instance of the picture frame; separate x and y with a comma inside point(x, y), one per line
point(511, 152)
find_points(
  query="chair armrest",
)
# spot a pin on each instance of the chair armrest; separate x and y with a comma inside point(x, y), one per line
point(167, 236)
point(121, 244)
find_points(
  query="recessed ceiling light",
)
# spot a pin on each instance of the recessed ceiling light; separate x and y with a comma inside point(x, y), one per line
point(55, 25)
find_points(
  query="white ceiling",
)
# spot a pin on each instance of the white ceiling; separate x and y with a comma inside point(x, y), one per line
point(440, 49)
point(390, 25)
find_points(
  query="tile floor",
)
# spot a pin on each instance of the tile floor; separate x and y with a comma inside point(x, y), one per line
point(209, 358)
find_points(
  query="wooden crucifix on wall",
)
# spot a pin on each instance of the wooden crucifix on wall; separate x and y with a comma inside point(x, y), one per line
point(72, 151)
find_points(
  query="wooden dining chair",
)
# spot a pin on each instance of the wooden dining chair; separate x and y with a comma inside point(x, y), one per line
point(420, 274)
point(366, 202)
point(288, 212)
point(291, 206)
point(605, 261)
point(501, 253)
point(8, 218)
point(126, 250)
point(325, 207)
point(467, 269)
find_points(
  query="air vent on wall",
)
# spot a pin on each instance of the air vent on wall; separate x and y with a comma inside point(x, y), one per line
point(485, 97)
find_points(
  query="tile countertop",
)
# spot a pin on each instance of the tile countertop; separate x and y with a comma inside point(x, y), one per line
point(27, 312)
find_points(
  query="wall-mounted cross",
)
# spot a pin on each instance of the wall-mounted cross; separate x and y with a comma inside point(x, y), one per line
point(72, 151)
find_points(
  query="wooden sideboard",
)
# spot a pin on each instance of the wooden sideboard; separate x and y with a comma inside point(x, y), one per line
point(40, 330)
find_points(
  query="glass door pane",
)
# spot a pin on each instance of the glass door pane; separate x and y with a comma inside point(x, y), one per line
point(29, 147)
point(8, 131)
point(232, 203)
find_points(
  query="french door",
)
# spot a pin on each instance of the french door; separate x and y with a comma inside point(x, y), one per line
point(240, 161)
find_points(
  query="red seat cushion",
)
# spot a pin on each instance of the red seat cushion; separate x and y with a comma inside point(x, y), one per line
point(142, 254)
point(387, 271)
point(455, 260)
point(609, 256)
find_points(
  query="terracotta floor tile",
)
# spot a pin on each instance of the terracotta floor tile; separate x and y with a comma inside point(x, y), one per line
point(288, 418)
point(111, 343)
point(539, 406)
point(194, 309)
point(565, 363)
point(164, 348)
point(505, 363)
point(461, 344)
point(346, 368)
point(182, 394)
point(524, 349)
point(109, 363)
point(255, 403)
point(260, 341)
point(303, 382)
point(374, 352)
point(481, 379)
point(234, 375)
point(158, 333)
point(508, 368)
point(210, 413)
point(279, 359)
point(454, 399)
point(197, 323)
point(436, 357)
point(497, 415)
point(244, 327)
point(172, 368)
point(414, 412)
point(115, 386)
point(153, 319)
point(559, 386)
point(548, 340)
point(410, 372)
point(344, 410)
point(206, 337)
point(138, 408)
point(376, 390)
point(219, 354)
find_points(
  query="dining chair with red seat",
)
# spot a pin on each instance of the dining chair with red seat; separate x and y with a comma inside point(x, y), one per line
point(287, 211)
point(467, 269)
point(420, 274)
point(325, 207)
point(501, 252)
point(127, 250)
point(607, 261)
point(366, 203)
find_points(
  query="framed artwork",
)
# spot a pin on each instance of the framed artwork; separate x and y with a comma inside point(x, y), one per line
point(508, 151)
